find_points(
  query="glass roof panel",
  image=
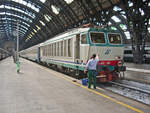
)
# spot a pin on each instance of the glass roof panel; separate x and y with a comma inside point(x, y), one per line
point(19, 10)
point(38, 28)
point(109, 23)
point(1, 6)
point(35, 30)
point(47, 18)
point(130, 3)
point(123, 12)
point(43, 24)
point(124, 16)
point(141, 11)
point(55, 9)
point(24, 2)
point(127, 35)
point(2, 13)
point(117, 8)
point(116, 19)
point(29, 4)
point(124, 27)
point(25, 18)
point(113, 28)
point(43, 1)
point(149, 29)
point(68, 1)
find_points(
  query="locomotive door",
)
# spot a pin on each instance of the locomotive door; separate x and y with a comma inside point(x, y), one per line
point(77, 47)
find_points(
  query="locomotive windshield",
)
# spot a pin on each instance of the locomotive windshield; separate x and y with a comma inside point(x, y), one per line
point(114, 38)
point(97, 37)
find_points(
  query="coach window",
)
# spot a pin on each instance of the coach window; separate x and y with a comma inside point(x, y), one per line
point(43, 51)
point(46, 50)
point(61, 48)
point(51, 49)
point(84, 39)
point(55, 49)
point(65, 48)
point(69, 48)
point(58, 49)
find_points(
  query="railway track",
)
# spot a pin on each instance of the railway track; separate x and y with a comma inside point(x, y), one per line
point(132, 87)
point(140, 92)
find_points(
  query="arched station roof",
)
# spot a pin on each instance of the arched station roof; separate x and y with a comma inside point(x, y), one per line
point(39, 20)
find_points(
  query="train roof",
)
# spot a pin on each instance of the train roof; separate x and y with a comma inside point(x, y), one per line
point(30, 48)
point(72, 32)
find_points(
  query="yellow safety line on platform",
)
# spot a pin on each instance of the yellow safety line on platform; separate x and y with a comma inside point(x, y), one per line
point(98, 93)
point(105, 96)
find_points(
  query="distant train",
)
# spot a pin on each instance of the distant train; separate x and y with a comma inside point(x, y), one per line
point(3, 54)
point(128, 55)
point(71, 50)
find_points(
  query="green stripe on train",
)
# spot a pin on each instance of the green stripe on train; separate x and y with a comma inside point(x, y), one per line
point(72, 66)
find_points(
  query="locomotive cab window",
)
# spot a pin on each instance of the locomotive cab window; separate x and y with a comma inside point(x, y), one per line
point(97, 37)
point(114, 38)
point(83, 39)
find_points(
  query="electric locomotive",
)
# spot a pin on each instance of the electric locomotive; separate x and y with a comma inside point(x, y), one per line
point(70, 51)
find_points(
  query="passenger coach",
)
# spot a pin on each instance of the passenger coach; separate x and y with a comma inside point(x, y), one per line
point(71, 50)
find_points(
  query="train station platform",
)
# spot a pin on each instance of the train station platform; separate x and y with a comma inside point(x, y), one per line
point(37, 89)
point(138, 72)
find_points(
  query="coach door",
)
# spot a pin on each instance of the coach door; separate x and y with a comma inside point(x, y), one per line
point(77, 47)
point(38, 55)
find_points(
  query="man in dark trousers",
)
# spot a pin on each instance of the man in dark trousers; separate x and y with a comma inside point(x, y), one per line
point(91, 65)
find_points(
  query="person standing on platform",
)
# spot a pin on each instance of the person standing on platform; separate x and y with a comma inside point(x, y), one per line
point(91, 66)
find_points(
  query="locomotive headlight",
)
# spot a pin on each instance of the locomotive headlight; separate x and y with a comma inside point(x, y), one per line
point(108, 63)
point(102, 63)
point(118, 57)
point(119, 64)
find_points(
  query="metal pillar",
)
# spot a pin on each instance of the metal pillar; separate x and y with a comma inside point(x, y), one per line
point(18, 41)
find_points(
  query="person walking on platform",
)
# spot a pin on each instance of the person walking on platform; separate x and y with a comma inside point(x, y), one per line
point(14, 56)
point(18, 66)
point(91, 65)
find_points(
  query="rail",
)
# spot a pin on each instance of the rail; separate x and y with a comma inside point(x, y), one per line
point(138, 70)
point(131, 87)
